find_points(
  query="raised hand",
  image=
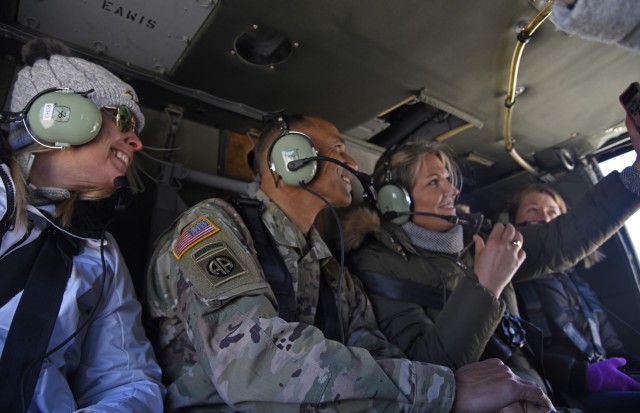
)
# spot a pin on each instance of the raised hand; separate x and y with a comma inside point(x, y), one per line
point(497, 260)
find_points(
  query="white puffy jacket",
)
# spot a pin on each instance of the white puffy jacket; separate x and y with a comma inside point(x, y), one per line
point(109, 366)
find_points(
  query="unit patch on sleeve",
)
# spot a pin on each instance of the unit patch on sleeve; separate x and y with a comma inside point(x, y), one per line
point(216, 262)
point(199, 230)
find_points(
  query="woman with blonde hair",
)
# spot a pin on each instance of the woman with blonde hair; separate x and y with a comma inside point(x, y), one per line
point(70, 329)
point(436, 298)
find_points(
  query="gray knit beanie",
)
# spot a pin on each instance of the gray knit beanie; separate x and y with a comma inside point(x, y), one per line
point(48, 65)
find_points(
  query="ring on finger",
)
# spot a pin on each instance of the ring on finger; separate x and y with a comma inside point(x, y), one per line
point(517, 243)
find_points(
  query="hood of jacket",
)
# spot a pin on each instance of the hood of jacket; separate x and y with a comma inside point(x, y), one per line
point(358, 224)
point(364, 223)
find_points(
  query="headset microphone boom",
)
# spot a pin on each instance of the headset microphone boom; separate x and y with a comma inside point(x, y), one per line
point(369, 194)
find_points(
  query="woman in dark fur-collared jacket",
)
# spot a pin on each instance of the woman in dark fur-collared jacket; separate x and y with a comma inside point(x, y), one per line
point(452, 320)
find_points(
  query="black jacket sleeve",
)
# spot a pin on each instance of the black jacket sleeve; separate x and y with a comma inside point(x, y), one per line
point(563, 242)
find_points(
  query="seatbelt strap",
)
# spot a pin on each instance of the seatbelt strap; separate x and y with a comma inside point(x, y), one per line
point(405, 290)
point(278, 275)
point(270, 259)
point(15, 268)
point(532, 305)
point(7, 220)
point(562, 320)
point(583, 292)
point(536, 314)
point(34, 319)
point(432, 297)
point(327, 313)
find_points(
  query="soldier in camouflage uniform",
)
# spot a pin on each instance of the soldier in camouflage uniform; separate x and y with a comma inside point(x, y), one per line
point(224, 348)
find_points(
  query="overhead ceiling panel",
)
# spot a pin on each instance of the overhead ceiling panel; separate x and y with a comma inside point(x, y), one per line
point(151, 35)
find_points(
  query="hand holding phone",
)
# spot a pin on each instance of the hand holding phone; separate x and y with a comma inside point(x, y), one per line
point(630, 100)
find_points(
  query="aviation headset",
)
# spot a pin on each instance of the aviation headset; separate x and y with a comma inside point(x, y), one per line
point(393, 199)
point(59, 118)
point(291, 146)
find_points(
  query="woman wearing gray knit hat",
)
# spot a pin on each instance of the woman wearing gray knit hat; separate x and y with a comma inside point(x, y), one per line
point(70, 330)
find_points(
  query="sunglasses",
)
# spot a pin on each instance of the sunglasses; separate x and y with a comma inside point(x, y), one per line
point(125, 119)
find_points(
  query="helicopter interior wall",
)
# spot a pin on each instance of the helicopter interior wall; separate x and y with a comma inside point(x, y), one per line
point(193, 143)
point(151, 211)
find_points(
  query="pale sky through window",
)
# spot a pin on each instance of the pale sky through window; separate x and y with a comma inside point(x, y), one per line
point(618, 164)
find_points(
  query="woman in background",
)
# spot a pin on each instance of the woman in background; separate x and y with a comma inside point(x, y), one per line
point(582, 352)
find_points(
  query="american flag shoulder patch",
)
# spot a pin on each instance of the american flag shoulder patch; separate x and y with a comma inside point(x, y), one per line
point(202, 228)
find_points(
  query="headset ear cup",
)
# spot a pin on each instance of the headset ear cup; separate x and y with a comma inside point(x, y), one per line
point(392, 197)
point(290, 147)
point(63, 119)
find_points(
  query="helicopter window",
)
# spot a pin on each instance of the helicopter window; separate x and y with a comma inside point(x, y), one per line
point(618, 163)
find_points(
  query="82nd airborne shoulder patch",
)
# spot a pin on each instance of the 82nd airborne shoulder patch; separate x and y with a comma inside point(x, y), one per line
point(215, 261)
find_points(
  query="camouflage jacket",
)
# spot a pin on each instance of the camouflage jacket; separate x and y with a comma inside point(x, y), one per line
point(223, 347)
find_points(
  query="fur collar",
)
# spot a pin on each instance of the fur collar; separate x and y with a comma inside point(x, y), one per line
point(358, 224)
